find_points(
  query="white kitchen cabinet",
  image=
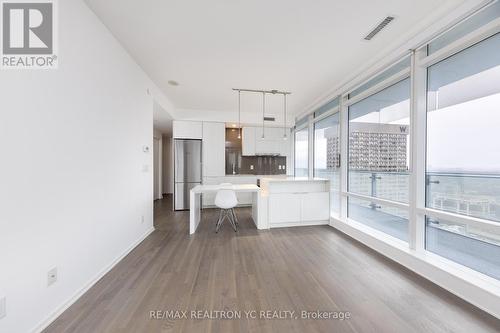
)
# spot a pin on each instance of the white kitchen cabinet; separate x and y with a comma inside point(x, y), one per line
point(315, 206)
point(214, 149)
point(187, 129)
point(248, 141)
point(270, 133)
point(296, 201)
point(272, 143)
point(284, 208)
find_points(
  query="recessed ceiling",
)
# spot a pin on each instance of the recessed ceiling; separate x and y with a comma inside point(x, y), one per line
point(306, 47)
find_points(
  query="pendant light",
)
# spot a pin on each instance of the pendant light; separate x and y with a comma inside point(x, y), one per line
point(239, 115)
point(263, 112)
point(284, 117)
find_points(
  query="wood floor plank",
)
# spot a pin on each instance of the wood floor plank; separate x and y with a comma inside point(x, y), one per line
point(292, 269)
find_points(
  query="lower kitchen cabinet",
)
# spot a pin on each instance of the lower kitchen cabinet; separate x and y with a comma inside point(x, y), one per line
point(299, 208)
point(285, 208)
point(315, 206)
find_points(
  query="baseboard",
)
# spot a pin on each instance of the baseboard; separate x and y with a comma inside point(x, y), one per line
point(46, 322)
point(298, 224)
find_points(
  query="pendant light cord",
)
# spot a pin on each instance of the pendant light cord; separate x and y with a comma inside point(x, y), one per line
point(239, 114)
point(284, 116)
point(263, 112)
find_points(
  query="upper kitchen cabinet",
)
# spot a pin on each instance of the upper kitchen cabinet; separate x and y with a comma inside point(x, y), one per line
point(214, 145)
point(248, 141)
point(271, 142)
point(187, 129)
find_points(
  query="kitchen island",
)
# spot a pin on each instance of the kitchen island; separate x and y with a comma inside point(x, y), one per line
point(279, 202)
point(195, 202)
point(294, 201)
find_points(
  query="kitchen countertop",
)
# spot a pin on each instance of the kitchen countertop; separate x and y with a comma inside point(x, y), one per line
point(293, 179)
point(258, 176)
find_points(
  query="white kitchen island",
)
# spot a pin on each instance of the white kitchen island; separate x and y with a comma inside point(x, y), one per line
point(195, 202)
point(295, 201)
point(279, 202)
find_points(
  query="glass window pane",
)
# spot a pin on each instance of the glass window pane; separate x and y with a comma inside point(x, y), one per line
point(327, 156)
point(301, 153)
point(463, 119)
point(389, 220)
point(379, 144)
point(473, 246)
point(474, 22)
point(396, 68)
point(327, 107)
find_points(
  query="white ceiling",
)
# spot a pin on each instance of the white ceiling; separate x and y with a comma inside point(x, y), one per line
point(209, 47)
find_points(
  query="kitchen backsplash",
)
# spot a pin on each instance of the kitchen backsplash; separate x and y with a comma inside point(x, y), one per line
point(250, 165)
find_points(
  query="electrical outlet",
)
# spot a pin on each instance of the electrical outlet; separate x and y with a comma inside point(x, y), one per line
point(142, 219)
point(52, 276)
point(251, 166)
point(3, 307)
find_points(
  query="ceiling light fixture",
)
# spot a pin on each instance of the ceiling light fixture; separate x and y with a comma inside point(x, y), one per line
point(264, 92)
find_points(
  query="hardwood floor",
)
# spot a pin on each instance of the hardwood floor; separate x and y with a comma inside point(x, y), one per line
point(289, 269)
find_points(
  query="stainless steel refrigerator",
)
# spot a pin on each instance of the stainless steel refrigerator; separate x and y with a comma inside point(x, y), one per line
point(187, 155)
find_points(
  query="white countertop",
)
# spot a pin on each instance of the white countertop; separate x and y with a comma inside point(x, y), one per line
point(293, 179)
point(256, 176)
point(236, 187)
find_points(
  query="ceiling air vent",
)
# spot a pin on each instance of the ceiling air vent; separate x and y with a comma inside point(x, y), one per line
point(379, 27)
point(269, 118)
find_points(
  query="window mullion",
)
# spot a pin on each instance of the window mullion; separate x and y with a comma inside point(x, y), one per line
point(418, 114)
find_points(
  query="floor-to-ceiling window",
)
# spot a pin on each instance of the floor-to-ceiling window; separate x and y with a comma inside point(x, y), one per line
point(463, 157)
point(327, 156)
point(425, 171)
point(302, 152)
point(379, 159)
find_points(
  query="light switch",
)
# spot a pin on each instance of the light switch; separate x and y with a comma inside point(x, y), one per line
point(52, 276)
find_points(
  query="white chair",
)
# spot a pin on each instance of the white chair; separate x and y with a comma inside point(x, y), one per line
point(226, 200)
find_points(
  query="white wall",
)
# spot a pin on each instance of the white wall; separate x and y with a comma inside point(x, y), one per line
point(72, 187)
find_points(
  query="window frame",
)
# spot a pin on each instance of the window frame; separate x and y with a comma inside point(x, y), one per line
point(333, 111)
point(388, 82)
point(303, 126)
point(417, 212)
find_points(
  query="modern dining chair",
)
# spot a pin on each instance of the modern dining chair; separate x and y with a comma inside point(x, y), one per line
point(226, 200)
